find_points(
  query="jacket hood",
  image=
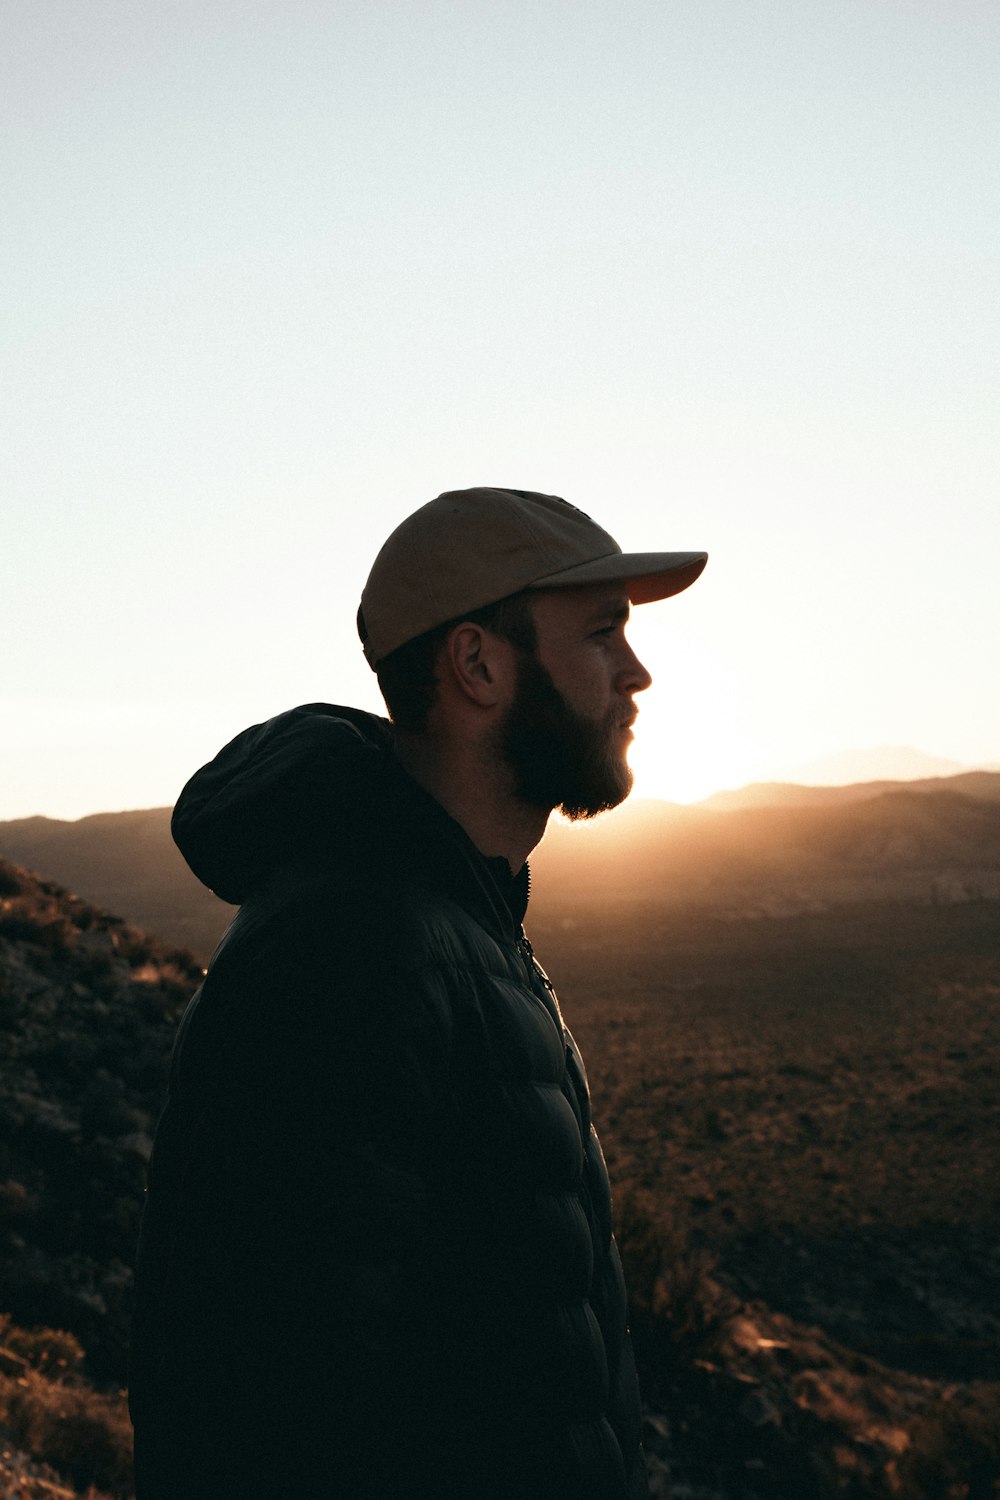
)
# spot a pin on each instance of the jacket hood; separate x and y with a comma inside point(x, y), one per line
point(318, 785)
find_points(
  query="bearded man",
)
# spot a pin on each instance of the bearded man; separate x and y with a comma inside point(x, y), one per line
point(376, 1259)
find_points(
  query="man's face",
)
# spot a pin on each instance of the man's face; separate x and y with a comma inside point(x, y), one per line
point(567, 732)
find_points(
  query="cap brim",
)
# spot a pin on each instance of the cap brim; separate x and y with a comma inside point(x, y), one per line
point(646, 575)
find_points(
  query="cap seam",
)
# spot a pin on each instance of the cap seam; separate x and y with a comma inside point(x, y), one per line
point(537, 538)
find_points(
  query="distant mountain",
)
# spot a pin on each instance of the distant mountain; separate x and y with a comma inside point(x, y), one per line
point(768, 849)
point(925, 846)
point(982, 784)
point(883, 763)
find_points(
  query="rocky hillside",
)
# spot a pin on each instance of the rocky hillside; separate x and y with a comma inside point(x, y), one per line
point(88, 1007)
point(124, 862)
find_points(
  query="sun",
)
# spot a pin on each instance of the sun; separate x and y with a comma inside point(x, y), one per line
point(693, 736)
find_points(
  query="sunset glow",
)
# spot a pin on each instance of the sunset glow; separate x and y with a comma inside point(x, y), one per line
point(694, 735)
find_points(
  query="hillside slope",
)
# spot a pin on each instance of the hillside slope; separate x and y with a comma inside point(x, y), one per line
point(933, 842)
point(124, 862)
point(88, 1008)
point(935, 846)
point(982, 784)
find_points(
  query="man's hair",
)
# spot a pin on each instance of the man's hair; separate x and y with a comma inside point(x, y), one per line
point(407, 677)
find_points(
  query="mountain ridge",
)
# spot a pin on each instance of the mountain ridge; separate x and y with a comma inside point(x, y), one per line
point(975, 783)
point(770, 849)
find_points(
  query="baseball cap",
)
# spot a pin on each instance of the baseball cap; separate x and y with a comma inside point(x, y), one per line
point(469, 548)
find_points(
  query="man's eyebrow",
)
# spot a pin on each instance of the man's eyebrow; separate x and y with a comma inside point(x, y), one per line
point(610, 612)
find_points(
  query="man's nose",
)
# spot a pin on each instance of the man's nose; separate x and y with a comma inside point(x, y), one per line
point(634, 673)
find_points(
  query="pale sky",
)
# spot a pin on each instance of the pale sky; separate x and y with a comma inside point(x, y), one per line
point(723, 273)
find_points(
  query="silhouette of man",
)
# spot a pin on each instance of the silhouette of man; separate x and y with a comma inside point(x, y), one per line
point(376, 1257)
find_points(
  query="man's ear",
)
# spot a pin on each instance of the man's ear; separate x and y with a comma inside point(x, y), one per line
point(478, 663)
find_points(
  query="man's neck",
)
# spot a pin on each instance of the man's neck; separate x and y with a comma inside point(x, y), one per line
point(476, 793)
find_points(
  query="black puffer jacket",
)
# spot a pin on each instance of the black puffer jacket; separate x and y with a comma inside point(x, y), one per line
point(376, 1256)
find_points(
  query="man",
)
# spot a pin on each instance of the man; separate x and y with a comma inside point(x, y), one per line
point(376, 1257)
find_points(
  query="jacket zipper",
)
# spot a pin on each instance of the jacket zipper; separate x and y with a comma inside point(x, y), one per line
point(528, 952)
point(535, 970)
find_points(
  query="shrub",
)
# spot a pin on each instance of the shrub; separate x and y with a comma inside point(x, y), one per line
point(678, 1311)
point(50, 1351)
point(85, 1435)
point(955, 1448)
point(18, 928)
point(11, 883)
point(15, 1204)
point(56, 935)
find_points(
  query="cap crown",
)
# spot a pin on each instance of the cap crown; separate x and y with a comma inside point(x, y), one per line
point(466, 549)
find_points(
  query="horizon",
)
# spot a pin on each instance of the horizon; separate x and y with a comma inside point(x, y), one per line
point(911, 765)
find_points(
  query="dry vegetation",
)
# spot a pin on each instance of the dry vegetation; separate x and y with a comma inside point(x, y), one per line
point(58, 1436)
point(796, 1090)
point(803, 1122)
point(88, 1006)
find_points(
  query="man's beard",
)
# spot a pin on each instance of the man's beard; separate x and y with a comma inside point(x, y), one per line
point(558, 757)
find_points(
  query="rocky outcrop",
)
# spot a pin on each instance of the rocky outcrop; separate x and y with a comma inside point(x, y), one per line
point(88, 1007)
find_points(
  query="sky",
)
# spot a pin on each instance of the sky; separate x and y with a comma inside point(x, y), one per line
point(723, 273)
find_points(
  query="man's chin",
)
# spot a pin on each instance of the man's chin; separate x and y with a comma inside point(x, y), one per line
point(602, 800)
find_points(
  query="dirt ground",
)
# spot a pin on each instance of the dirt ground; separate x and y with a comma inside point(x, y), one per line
point(815, 1101)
